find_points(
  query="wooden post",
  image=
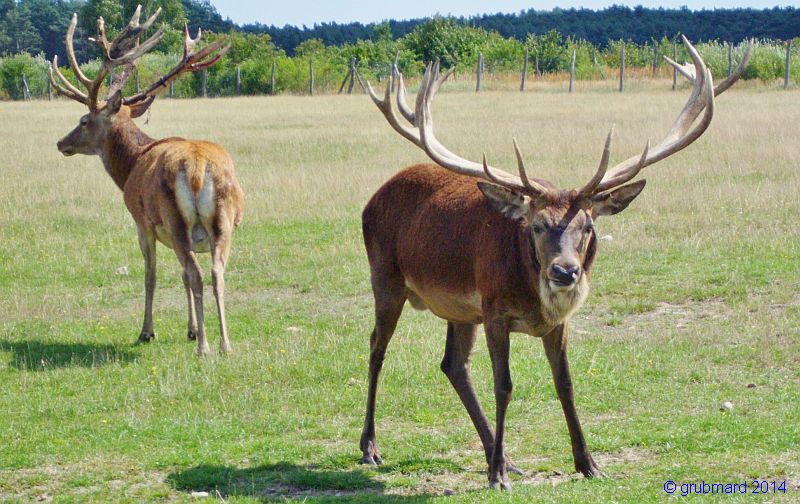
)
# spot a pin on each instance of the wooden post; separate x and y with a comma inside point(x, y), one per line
point(524, 71)
point(594, 57)
point(538, 72)
point(344, 81)
point(730, 58)
point(238, 80)
point(311, 75)
point(655, 59)
point(272, 79)
point(480, 71)
point(205, 83)
point(622, 69)
point(172, 89)
point(788, 64)
point(572, 71)
point(352, 75)
point(26, 91)
point(674, 70)
point(49, 90)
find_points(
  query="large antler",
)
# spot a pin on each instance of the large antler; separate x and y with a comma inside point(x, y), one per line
point(420, 133)
point(124, 51)
point(191, 62)
point(683, 131)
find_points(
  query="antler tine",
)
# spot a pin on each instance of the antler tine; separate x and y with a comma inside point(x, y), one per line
point(385, 106)
point(68, 90)
point(71, 52)
point(681, 134)
point(532, 186)
point(402, 104)
point(729, 81)
point(733, 77)
point(444, 156)
point(590, 186)
point(188, 42)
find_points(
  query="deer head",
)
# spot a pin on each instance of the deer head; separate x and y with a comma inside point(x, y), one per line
point(123, 52)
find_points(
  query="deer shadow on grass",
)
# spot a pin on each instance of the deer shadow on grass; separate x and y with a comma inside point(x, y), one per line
point(40, 355)
point(285, 480)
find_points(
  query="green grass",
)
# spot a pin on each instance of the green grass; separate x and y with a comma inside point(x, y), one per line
point(694, 299)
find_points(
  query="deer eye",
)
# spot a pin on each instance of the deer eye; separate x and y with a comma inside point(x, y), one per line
point(538, 229)
point(84, 121)
point(589, 228)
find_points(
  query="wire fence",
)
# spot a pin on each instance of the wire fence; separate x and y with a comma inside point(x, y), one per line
point(25, 77)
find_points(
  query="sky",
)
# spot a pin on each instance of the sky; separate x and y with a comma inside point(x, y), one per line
point(308, 12)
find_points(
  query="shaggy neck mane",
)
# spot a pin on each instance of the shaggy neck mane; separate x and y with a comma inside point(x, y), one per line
point(126, 144)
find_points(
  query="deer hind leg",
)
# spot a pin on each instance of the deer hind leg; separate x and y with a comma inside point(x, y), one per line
point(193, 274)
point(389, 292)
point(456, 366)
point(220, 250)
point(147, 242)
point(191, 333)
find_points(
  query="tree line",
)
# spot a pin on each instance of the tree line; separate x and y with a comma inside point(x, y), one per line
point(32, 31)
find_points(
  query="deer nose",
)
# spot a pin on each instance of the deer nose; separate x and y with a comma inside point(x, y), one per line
point(564, 275)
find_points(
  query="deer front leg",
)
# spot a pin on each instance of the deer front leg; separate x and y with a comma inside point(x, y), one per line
point(456, 366)
point(498, 341)
point(147, 243)
point(555, 347)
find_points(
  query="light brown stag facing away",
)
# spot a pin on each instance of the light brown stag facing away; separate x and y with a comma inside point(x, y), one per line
point(511, 252)
point(183, 193)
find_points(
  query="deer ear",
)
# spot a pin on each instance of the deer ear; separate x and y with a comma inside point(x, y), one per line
point(509, 203)
point(615, 201)
point(137, 109)
point(113, 104)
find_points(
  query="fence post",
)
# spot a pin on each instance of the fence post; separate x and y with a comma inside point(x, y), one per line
point(352, 75)
point(674, 70)
point(622, 69)
point(272, 79)
point(594, 57)
point(49, 90)
point(480, 71)
point(655, 59)
point(26, 91)
point(238, 80)
point(205, 83)
point(730, 58)
point(572, 71)
point(172, 89)
point(311, 80)
point(524, 71)
point(788, 63)
point(538, 72)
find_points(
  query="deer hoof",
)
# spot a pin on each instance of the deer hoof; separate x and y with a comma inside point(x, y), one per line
point(191, 335)
point(590, 470)
point(372, 460)
point(503, 485)
point(146, 337)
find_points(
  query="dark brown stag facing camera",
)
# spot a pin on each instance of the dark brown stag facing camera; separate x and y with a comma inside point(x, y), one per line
point(183, 193)
point(511, 252)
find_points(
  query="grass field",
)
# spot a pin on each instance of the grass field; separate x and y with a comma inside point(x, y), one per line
point(696, 301)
